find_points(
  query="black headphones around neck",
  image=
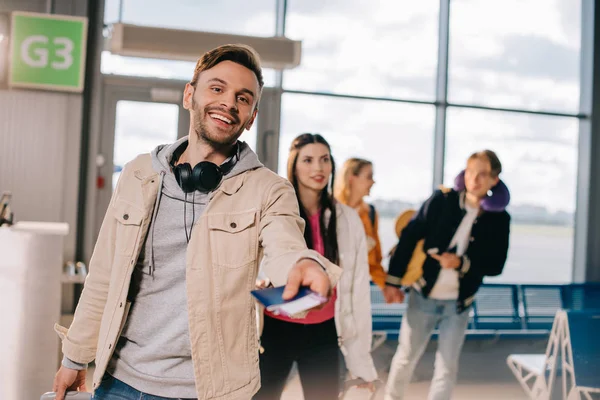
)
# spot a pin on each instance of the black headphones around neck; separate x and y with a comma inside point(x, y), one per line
point(205, 176)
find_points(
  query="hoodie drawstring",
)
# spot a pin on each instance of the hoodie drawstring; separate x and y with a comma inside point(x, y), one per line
point(156, 205)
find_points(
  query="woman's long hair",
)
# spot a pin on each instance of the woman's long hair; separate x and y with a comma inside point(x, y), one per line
point(326, 200)
point(352, 166)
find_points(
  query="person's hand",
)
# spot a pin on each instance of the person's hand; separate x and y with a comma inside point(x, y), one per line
point(393, 294)
point(307, 272)
point(367, 385)
point(447, 260)
point(67, 379)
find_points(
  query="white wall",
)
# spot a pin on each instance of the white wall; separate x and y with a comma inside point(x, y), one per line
point(40, 142)
point(39, 156)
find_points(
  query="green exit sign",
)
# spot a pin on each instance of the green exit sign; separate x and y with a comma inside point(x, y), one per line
point(47, 51)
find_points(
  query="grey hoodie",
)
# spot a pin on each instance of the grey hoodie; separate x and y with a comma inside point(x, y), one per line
point(153, 353)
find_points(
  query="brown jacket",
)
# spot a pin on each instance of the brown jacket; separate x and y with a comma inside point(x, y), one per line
point(376, 270)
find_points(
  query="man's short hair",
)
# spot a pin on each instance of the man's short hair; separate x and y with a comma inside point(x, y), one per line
point(238, 53)
point(492, 158)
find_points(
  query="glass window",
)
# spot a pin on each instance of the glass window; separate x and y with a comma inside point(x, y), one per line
point(164, 69)
point(135, 135)
point(539, 162)
point(253, 18)
point(250, 136)
point(380, 49)
point(256, 18)
point(397, 137)
point(515, 54)
point(158, 125)
point(111, 11)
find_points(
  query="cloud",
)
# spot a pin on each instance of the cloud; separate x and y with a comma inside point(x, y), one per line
point(239, 17)
point(529, 55)
point(515, 54)
point(397, 137)
point(396, 40)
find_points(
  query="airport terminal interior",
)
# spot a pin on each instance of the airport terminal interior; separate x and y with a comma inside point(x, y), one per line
point(413, 86)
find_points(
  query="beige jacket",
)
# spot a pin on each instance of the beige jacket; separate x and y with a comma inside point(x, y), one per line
point(250, 217)
point(353, 319)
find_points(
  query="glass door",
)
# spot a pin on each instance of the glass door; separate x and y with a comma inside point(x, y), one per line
point(139, 128)
point(138, 114)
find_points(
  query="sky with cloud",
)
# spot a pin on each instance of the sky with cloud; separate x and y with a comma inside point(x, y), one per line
point(502, 53)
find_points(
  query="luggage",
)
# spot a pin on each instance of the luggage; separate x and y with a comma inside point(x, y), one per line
point(69, 396)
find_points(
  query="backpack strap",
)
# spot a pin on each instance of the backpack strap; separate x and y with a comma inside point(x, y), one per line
point(372, 214)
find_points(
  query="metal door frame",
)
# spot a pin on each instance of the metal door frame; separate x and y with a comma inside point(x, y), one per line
point(119, 88)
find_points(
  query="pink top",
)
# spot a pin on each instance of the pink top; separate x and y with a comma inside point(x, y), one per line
point(328, 311)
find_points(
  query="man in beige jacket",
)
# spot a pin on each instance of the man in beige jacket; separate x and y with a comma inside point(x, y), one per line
point(166, 310)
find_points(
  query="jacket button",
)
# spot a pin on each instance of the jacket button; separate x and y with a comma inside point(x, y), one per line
point(233, 225)
point(121, 305)
point(126, 217)
point(109, 346)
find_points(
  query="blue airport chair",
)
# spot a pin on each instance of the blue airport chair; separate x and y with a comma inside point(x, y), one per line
point(496, 307)
point(581, 355)
point(540, 305)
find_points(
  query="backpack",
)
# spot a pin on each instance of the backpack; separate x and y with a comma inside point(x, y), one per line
point(372, 214)
point(414, 269)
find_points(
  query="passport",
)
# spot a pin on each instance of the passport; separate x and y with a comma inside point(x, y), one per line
point(273, 301)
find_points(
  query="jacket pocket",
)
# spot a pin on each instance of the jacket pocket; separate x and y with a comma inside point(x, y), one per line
point(233, 238)
point(129, 220)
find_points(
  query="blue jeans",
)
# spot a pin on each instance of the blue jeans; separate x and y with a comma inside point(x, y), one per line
point(111, 388)
point(421, 318)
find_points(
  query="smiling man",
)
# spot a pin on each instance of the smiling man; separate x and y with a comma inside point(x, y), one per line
point(166, 311)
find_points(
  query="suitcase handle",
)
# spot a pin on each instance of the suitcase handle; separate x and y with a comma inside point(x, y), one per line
point(68, 396)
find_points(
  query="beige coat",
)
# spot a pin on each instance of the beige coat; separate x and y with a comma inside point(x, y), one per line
point(250, 217)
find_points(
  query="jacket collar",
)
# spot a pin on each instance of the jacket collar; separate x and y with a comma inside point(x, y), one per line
point(145, 172)
point(233, 184)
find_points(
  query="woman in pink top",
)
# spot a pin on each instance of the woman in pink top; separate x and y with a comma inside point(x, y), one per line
point(343, 325)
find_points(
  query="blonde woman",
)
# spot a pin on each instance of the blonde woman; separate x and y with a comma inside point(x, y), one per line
point(353, 183)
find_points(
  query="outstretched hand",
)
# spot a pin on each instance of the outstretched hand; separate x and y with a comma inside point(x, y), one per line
point(307, 272)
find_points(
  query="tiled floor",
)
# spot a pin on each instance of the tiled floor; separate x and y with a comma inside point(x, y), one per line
point(483, 372)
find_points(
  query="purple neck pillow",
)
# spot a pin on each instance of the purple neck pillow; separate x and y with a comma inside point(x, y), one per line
point(496, 202)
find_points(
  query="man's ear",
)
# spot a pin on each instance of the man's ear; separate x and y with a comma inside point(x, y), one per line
point(251, 121)
point(188, 95)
